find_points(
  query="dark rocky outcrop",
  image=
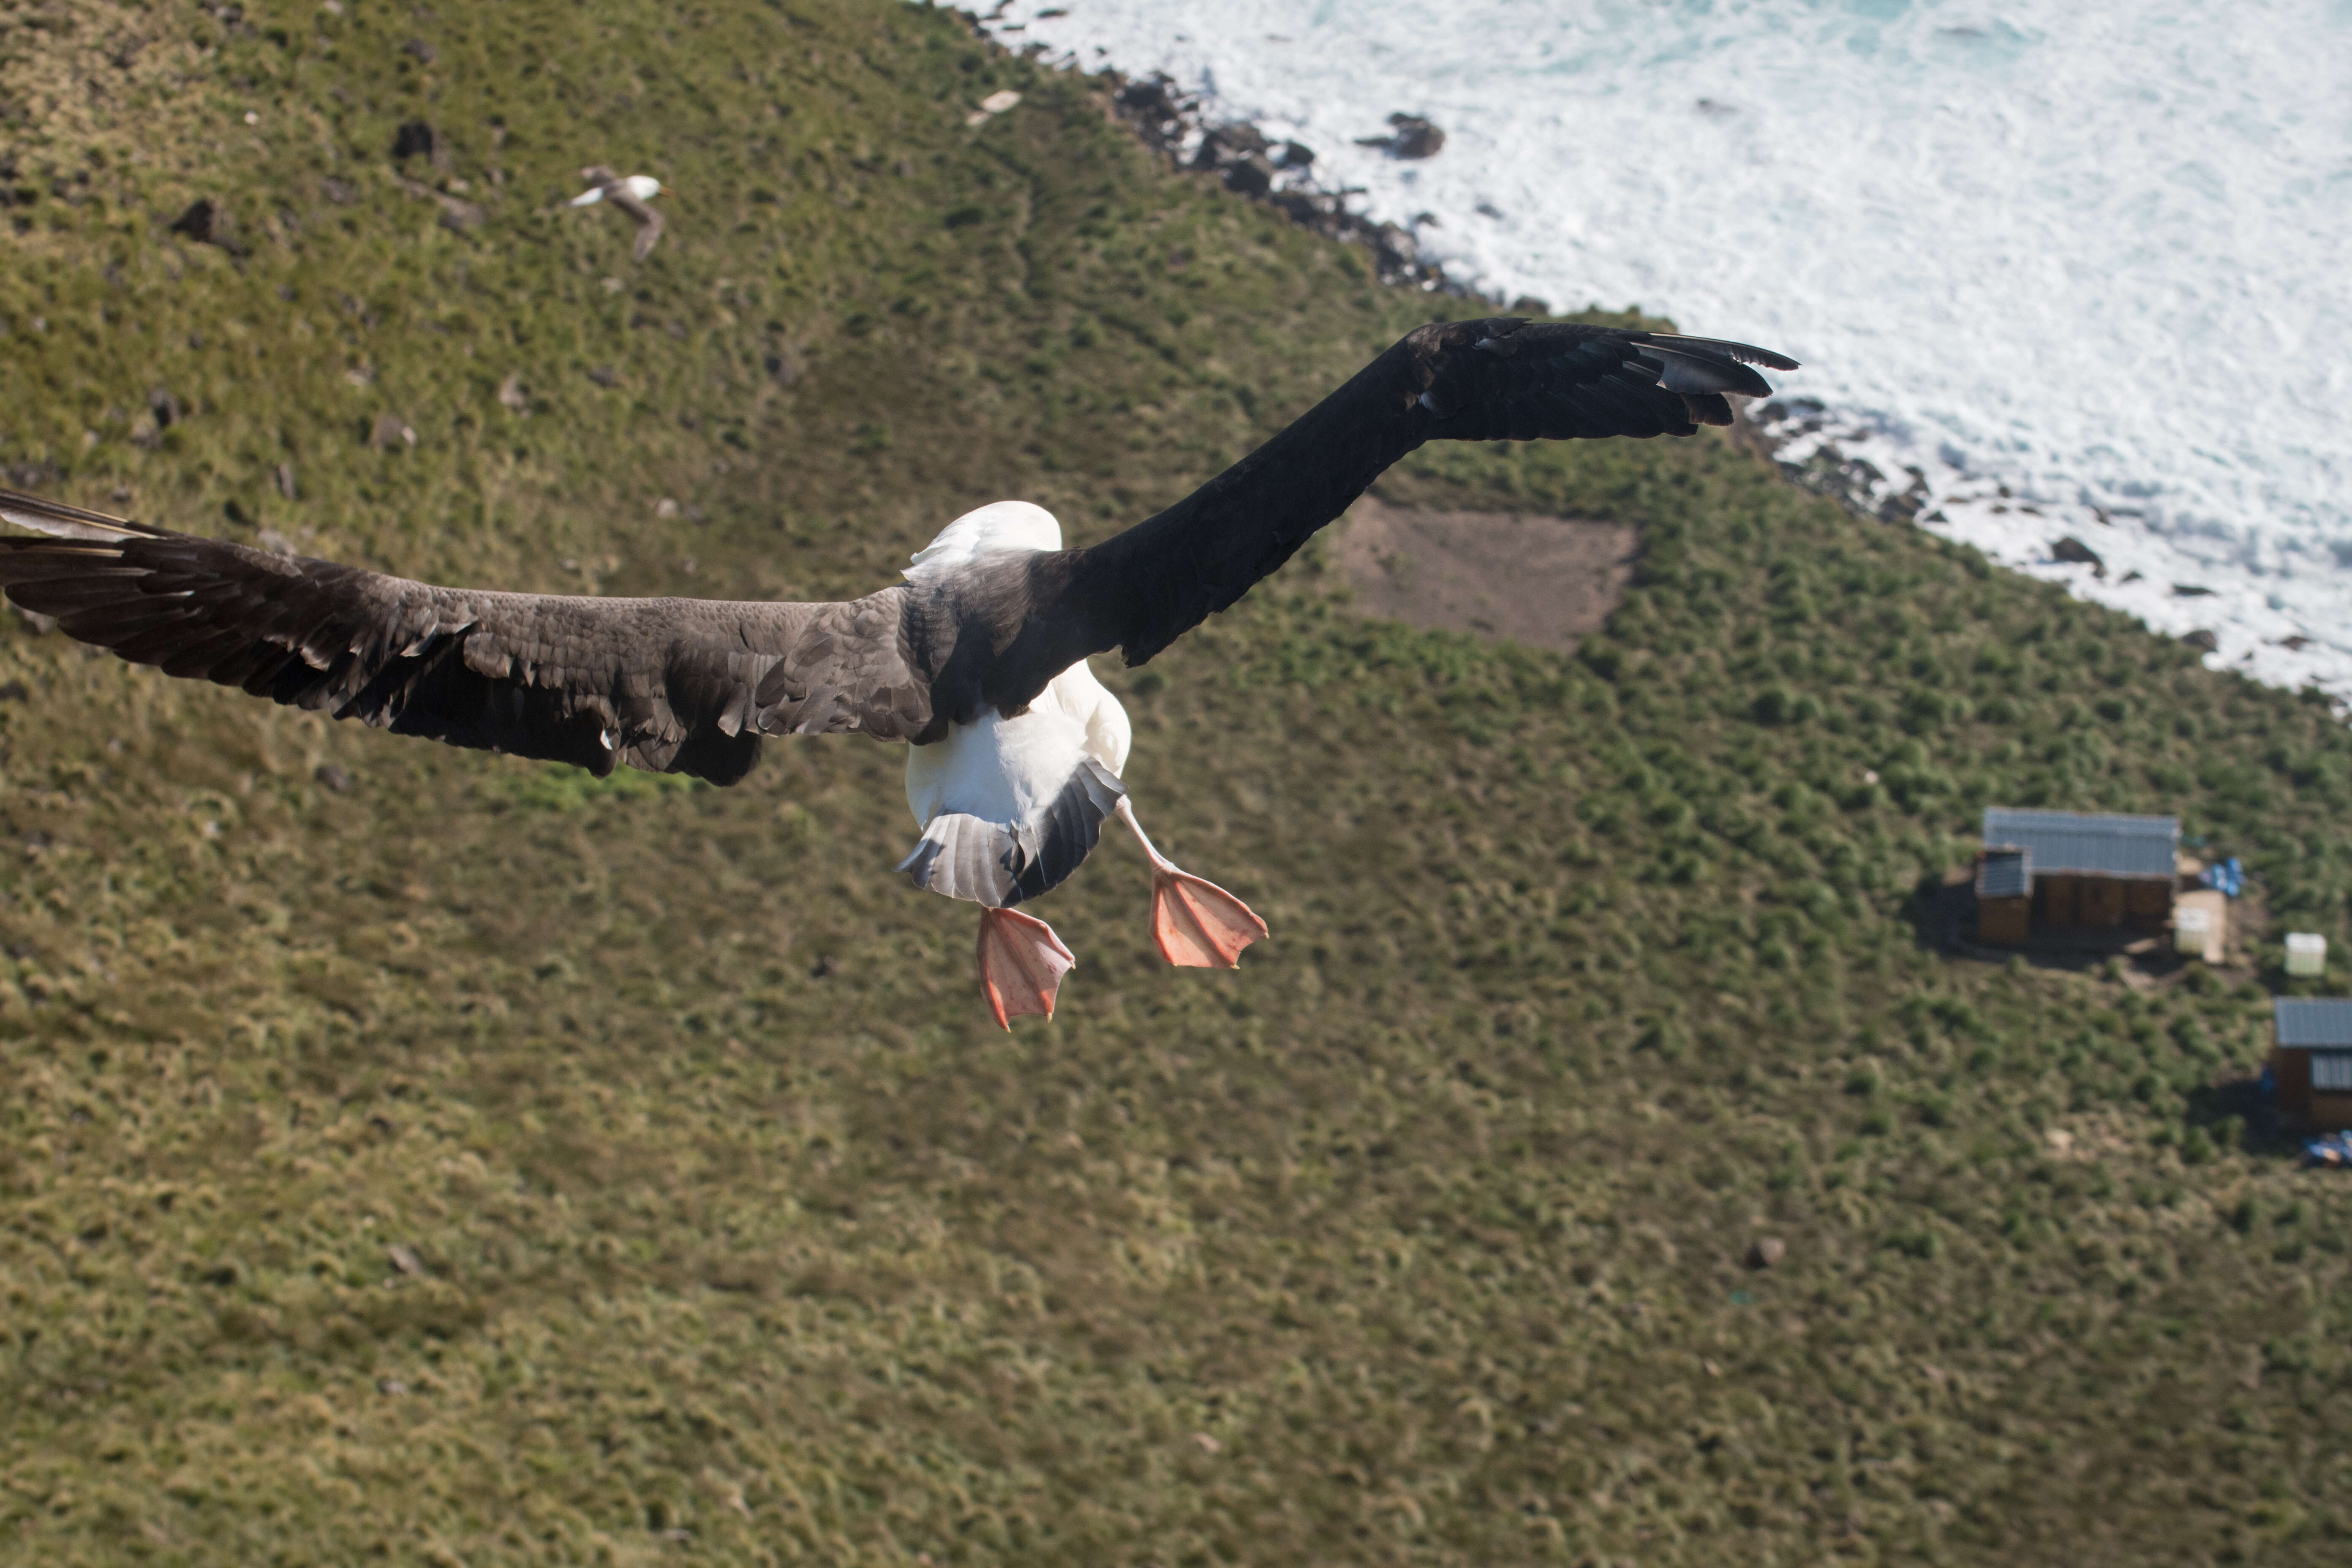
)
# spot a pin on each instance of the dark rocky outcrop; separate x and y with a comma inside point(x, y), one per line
point(206, 222)
point(414, 139)
point(1857, 484)
point(197, 223)
point(1410, 136)
point(2073, 552)
point(1251, 165)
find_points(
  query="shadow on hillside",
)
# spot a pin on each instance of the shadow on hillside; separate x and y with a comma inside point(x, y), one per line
point(1942, 912)
point(2238, 1113)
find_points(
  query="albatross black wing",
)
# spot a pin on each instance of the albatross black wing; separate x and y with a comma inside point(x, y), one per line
point(1502, 380)
point(648, 222)
point(671, 685)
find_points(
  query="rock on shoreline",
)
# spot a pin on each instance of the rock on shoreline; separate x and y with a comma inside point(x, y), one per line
point(1253, 165)
point(1411, 136)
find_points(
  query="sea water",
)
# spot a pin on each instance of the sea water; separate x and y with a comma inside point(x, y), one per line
point(2084, 267)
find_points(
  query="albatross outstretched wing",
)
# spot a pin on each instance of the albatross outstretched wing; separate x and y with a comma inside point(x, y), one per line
point(671, 685)
point(1500, 379)
point(648, 221)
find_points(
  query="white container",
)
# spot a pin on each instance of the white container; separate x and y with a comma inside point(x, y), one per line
point(2306, 953)
point(2190, 926)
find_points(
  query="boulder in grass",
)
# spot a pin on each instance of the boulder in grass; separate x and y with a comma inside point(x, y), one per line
point(197, 223)
point(1249, 176)
point(206, 222)
point(1765, 1251)
point(414, 139)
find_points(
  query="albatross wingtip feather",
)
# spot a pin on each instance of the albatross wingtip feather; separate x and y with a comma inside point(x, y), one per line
point(62, 522)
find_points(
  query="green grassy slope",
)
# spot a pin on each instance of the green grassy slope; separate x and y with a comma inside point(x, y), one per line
point(736, 1233)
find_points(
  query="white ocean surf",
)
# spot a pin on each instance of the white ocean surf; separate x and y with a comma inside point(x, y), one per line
point(2084, 268)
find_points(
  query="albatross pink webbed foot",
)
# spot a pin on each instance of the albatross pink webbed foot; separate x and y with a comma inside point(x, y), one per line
point(1196, 923)
point(1021, 963)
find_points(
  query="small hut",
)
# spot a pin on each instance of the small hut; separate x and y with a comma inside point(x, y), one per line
point(2312, 1063)
point(2004, 896)
point(2068, 870)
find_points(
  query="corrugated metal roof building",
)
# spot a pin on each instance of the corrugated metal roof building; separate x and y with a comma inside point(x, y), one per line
point(2313, 1064)
point(2068, 869)
point(2088, 844)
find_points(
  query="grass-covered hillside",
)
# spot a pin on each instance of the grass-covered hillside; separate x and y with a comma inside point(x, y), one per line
point(483, 1164)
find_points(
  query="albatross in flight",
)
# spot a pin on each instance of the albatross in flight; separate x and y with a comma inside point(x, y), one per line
point(979, 659)
point(634, 196)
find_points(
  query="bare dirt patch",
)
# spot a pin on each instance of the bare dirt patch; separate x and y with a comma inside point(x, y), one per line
point(1548, 581)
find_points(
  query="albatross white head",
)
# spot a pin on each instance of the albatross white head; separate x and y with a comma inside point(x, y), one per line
point(1000, 525)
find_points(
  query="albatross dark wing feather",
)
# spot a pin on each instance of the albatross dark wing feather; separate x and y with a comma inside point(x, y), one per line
point(1451, 380)
point(672, 685)
point(648, 221)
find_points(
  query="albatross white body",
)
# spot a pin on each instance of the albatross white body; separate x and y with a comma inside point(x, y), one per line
point(1011, 771)
point(1010, 805)
point(645, 187)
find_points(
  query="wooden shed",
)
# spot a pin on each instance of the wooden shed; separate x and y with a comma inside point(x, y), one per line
point(2068, 870)
point(2004, 896)
point(2312, 1063)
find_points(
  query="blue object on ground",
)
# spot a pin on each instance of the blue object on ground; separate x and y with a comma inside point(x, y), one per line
point(2229, 877)
point(2333, 1150)
point(2267, 1085)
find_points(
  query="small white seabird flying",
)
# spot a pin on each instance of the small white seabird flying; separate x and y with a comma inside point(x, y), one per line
point(634, 196)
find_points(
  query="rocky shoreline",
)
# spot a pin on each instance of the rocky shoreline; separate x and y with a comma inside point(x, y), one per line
point(1780, 427)
point(1281, 174)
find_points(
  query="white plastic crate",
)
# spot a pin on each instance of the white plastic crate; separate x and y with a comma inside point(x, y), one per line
point(2190, 926)
point(2306, 953)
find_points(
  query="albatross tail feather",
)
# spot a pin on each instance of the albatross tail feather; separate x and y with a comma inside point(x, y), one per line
point(1000, 863)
